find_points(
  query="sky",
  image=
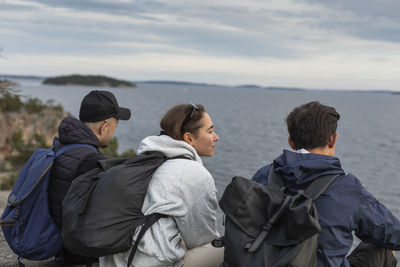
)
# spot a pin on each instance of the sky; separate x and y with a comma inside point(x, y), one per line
point(318, 44)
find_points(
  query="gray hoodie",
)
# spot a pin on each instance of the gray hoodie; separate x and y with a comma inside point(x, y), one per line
point(182, 189)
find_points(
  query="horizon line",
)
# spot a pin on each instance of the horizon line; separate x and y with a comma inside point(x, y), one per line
point(249, 86)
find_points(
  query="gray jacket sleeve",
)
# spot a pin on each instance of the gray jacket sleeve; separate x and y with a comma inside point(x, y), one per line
point(185, 191)
point(199, 225)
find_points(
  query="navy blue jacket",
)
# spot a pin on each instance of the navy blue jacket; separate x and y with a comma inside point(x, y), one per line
point(344, 207)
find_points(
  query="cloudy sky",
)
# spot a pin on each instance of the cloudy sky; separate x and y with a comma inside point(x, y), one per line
point(343, 44)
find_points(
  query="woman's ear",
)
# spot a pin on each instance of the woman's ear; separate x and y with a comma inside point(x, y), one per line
point(188, 138)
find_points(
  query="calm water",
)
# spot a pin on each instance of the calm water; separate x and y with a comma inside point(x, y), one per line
point(251, 126)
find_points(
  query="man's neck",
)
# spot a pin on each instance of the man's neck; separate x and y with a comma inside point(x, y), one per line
point(327, 150)
point(322, 151)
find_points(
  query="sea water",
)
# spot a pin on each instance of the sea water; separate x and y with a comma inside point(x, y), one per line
point(251, 125)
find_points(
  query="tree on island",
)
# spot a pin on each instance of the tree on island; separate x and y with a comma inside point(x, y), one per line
point(88, 80)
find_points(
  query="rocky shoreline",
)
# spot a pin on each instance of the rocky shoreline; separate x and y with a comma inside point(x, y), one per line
point(22, 132)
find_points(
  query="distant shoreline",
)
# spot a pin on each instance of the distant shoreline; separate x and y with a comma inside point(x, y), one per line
point(247, 86)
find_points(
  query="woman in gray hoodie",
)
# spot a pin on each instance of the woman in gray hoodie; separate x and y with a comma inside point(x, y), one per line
point(182, 189)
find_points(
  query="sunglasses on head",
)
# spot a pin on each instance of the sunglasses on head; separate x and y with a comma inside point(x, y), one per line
point(193, 109)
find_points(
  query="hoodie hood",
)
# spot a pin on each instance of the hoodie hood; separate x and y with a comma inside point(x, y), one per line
point(298, 168)
point(169, 147)
point(74, 131)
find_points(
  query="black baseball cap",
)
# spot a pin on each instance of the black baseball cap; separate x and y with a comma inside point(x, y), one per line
point(102, 105)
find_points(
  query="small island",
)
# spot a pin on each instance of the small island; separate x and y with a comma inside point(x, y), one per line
point(88, 80)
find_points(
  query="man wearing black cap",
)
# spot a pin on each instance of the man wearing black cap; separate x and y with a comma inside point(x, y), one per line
point(98, 118)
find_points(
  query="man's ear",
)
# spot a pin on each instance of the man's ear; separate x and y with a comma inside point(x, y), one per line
point(291, 144)
point(332, 140)
point(188, 138)
point(103, 128)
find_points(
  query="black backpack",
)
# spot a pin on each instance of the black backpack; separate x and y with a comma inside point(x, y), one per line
point(269, 225)
point(104, 206)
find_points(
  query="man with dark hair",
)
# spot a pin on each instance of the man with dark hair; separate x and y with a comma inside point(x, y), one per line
point(98, 118)
point(346, 206)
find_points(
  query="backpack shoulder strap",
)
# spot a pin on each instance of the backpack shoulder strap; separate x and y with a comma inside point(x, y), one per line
point(179, 157)
point(319, 185)
point(275, 181)
point(162, 155)
point(314, 190)
point(150, 220)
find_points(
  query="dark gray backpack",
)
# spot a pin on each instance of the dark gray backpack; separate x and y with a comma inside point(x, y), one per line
point(269, 225)
point(103, 207)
